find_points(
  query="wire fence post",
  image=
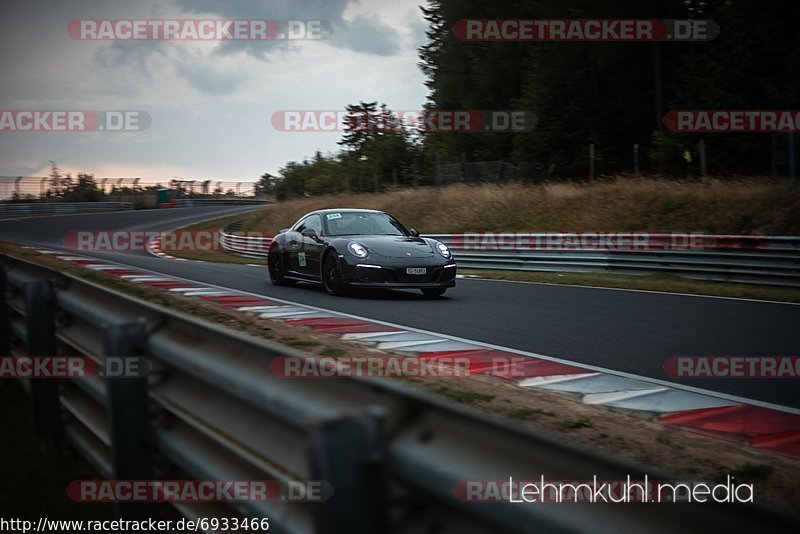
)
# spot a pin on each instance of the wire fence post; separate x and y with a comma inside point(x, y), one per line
point(438, 171)
point(773, 167)
point(636, 159)
point(703, 158)
point(591, 161)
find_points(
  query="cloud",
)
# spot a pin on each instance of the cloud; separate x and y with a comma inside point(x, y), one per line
point(210, 103)
point(209, 80)
point(366, 34)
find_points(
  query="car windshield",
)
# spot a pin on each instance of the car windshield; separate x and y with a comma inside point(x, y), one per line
point(363, 223)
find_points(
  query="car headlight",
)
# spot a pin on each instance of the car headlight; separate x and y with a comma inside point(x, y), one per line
point(443, 250)
point(357, 249)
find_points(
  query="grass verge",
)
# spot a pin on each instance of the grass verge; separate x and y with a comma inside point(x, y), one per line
point(662, 283)
point(752, 206)
point(619, 203)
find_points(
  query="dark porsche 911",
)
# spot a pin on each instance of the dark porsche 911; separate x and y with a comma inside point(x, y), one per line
point(350, 248)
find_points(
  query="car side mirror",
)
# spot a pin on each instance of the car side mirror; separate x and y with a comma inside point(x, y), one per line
point(310, 233)
point(414, 232)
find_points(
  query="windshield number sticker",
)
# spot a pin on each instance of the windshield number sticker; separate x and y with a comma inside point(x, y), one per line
point(332, 216)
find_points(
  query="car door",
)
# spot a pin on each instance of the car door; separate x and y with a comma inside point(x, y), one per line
point(313, 247)
point(294, 255)
point(303, 252)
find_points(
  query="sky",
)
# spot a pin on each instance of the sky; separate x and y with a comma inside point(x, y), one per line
point(210, 103)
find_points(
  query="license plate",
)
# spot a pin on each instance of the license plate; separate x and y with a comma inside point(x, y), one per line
point(415, 270)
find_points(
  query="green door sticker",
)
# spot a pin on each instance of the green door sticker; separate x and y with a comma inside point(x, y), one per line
point(301, 257)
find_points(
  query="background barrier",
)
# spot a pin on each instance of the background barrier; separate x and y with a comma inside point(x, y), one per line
point(62, 207)
point(234, 201)
point(772, 260)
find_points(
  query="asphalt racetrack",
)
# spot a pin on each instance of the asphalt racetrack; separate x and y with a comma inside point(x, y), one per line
point(628, 331)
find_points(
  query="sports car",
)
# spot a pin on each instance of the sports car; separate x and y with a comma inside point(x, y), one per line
point(344, 249)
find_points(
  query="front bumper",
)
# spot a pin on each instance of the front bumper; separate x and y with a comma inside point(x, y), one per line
point(392, 274)
point(387, 285)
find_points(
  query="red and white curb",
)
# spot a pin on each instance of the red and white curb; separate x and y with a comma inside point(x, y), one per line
point(762, 425)
point(153, 246)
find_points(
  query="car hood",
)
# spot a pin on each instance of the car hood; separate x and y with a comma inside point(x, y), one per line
point(396, 246)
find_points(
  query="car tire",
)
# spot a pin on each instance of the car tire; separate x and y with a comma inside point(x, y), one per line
point(275, 268)
point(332, 274)
point(434, 291)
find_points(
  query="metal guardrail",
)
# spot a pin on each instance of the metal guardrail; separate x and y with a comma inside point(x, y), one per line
point(771, 260)
point(235, 201)
point(213, 410)
point(61, 207)
point(249, 246)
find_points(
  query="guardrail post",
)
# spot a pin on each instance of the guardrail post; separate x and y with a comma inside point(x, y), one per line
point(5, 321)
point(40, 324)
point(129, 416)
point(348, 453)
point(792, 165)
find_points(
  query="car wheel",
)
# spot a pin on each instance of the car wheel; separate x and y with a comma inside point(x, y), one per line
point(275, 267)
point(434, 292)
point(332, 275)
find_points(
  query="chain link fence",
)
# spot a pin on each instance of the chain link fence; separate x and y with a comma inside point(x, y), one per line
point(479, 172)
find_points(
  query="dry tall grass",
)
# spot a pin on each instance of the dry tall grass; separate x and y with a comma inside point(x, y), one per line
point(729, 206)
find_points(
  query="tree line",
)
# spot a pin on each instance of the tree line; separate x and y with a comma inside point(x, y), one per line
point(608, 95)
